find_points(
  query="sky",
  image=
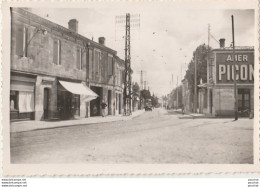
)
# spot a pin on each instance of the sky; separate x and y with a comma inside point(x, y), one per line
point(168, 34)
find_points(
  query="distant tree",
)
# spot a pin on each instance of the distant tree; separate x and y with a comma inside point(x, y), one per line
point(145, 94)
point(155, 100)
point(135, 93)
point(136, 90)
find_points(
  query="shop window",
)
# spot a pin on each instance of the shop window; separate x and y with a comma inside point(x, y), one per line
point(79, 58)
point(57, 52)
point(14, 100)
point(26, 102)
point(21, 41)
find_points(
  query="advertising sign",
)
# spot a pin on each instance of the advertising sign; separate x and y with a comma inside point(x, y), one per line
point(243, 68)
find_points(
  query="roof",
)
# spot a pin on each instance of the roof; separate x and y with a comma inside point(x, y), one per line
point(237, 48)
point(54, 26)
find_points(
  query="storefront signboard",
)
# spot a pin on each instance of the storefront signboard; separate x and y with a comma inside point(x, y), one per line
point(243, 68)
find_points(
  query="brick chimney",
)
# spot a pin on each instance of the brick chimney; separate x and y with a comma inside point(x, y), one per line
point(102, 40)
point(222, 42)
point(73, 25)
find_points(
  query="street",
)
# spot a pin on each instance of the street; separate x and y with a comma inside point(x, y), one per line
point(153, 137)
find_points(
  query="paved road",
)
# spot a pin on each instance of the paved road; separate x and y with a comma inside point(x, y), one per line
point(154, 137)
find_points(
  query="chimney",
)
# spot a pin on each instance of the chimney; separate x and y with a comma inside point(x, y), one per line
point(101, 40)
point(222, 42)
point(73, 25)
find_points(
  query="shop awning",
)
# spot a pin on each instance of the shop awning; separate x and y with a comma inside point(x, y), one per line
point(80, 89)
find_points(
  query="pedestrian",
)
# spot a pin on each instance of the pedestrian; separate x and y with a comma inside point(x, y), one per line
point(103, 107)
point(94, 110)
point(182, 109)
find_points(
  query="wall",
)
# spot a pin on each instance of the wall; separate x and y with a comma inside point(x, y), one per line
point(39, 58)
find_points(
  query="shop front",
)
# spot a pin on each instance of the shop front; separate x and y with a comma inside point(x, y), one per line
point(223, 91)
point(22, 89)
point(69, 98)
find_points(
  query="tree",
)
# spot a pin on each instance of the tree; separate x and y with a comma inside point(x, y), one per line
point(202, 55)
point(135, 93)
point(145, 94)
point(155, 101)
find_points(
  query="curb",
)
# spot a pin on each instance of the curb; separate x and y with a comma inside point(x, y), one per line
point(76, 124)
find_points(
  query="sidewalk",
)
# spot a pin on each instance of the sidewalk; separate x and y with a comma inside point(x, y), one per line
point(189, 115)
point(22, 126)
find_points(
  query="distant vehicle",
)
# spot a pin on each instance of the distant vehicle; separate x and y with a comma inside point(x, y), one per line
point(148, 108)
point(148, 105)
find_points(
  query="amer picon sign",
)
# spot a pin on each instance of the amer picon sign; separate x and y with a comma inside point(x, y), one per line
point(243, 68)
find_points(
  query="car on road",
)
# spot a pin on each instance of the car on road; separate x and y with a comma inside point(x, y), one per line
point(148, 108)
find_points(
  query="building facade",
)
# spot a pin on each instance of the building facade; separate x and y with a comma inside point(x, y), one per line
point(57, 73)
point(222, 71)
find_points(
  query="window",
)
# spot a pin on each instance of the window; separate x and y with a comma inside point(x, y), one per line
point(110, 65)
point(91, 63)
point(57, 52)
point(79, 58)
point(21, 41)
point(96, 61)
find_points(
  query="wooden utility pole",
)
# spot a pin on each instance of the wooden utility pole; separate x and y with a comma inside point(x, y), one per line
point(177, 100)
point(234, 69)
point(195, 85)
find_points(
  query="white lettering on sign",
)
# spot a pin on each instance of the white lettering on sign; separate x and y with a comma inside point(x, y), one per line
point(238, 58)
point(243, 72)
point(222, 71)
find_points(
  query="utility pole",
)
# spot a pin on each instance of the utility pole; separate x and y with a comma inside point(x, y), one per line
point(208, 73)
point(195, 85)
point(128, 79)
point(177, 100)
point(234, 69)
point(142, 80)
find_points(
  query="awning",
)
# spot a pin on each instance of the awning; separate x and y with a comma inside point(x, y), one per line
point(80, 89)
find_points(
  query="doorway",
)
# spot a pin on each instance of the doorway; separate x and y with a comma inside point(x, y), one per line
point(244, 102)
point(109, 93)
point(46, 103)
point(120, 104)
point(96, 103)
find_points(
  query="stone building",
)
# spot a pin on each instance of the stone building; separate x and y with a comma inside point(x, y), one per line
point(58, 73)
point(219, 88)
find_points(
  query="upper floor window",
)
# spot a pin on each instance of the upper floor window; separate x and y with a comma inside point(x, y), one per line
point(79, 58)
point(97, 58)
point(110, 65)
point(21, 41)
point(57, 52)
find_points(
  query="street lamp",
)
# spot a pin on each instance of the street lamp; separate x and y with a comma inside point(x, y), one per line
point(37, 30)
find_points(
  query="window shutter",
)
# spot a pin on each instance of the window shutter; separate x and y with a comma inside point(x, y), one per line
point(79, 58)
point(19, 41)
point(97, 59)
point(25, 37)
point(59, 52)
point(55, 52)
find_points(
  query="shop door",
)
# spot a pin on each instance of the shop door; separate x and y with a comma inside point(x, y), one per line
point(46, 103)
point(243, 102)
